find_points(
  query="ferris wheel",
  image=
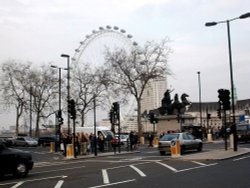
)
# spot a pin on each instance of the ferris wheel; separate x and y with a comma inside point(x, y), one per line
point(93, 48)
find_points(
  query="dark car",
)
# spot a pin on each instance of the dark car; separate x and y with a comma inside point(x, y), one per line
point(45, 140)
point(243, 132)
point(13, 161)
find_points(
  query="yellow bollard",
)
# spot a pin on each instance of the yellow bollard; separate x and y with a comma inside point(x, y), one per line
point(52, 147)
point(156, 142)
point(175, 148)
point(70, 151)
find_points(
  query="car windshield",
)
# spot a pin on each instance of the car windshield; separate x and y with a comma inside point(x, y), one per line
point(29, 139)
point(169, 137)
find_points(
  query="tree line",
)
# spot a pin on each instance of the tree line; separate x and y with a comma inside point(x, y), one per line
point(29, 88)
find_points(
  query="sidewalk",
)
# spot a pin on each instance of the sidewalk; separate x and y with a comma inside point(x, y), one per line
point(217, 154)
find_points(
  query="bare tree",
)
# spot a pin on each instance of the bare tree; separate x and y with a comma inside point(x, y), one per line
point(86, 86)
point(130, 73)
point(44, 92)
point(13, 92)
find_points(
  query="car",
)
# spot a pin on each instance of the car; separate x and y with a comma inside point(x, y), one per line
point(123, 138)
point(7, 141)
point(243, 132)
point(14, 161)
point(46, 140)
point(25, 141)
point(187, 142)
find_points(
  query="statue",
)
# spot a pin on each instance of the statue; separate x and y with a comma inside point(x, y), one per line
point(169, 108)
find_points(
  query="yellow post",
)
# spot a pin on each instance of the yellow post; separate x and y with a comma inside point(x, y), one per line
point(70, 152)
point(52, 147)
point(175, 148)
point(156, 141)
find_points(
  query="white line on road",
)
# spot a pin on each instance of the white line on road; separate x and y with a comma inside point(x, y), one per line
point(59, 184)
point(138, 170)
point(17, 185)
point(58, 170)
point(199, 163)
point(187, 169)
point(36, 179)
point(169, 167)
point(105, 176)
point(113, 183)
point(241, 158)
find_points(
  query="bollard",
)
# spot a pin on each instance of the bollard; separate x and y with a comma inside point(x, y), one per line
point(52, 147)
point(70, 151)
point(175, 148)
point(156, 142)
point(209, 137)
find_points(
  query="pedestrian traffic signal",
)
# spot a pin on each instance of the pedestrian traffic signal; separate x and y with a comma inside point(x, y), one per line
point(115, 113)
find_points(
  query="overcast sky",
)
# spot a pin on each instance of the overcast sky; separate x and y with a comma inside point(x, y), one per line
point(41, 30)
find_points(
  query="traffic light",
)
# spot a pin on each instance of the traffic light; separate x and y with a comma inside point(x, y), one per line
point(208, 116)
point(152, 118)
point(111, 117)
point(219, 113)
point(59, 117)
point(72, 109)
point(224, 99)
point(115, 113)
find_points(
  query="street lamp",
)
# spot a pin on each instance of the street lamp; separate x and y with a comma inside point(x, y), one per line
point(243, 16)
point(199, 83)
point(60, 109)
point(68, 87)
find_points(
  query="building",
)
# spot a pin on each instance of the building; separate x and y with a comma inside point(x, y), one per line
point(153, 94)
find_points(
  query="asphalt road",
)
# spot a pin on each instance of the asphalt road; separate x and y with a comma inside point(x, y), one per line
point(144, 169)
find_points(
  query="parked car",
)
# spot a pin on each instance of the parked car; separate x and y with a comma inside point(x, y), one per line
point(46, 140)
point(187, 142)
point(13, 161)
point(7, 141)
point(24, 141)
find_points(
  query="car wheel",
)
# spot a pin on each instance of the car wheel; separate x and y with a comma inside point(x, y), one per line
point(183, 149)
point(162, 152)
point(21, 170)
point(200, 147)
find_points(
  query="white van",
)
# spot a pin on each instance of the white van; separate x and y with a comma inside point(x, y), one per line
point(104, 130)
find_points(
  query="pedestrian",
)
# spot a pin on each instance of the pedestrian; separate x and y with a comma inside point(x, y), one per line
point(91, 142)
point(131, 140)
point(101, 141)
point(150, 139)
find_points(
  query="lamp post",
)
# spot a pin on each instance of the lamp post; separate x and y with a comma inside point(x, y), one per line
point(68, 87)
point(243, 16)
point(199, 83)
point(58, 133)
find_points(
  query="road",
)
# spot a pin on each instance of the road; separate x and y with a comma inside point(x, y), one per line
point(144, 169)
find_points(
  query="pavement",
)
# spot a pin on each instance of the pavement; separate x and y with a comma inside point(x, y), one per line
point(212, 154)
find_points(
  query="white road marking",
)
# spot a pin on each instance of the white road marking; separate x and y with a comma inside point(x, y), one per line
point(105, 176)
point(106, 185)
point(53, 177)
point(199, 163)
point(169, 167)
point(138, 170)
point(126, 165)
point(58, 170)
point(187, 169)
point(241, 158)
point(59, 184)
point(17, 185)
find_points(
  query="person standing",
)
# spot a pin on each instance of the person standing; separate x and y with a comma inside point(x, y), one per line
point(101, 142)
point(150, 139)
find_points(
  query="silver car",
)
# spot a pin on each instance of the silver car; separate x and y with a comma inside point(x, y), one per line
point(187, 142)
point(25, 141)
